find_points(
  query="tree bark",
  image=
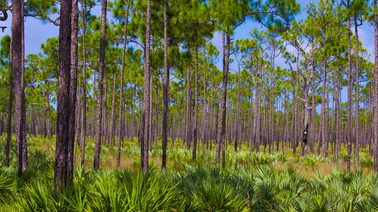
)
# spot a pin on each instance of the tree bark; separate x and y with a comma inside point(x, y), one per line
point(195, 104)
point(61, 154)
point(222, 120)
point(357, 144)
point(73, 88)
point(121, 89)
point(337, 124)
point(112, 116)
point(350, 95)
point(101, 70)
point(17, 19)
point(9, 116)
point(145, 124)
point(313, 119)
point(376, 89)
point(151, 115)
point(165, 89)
point(23, 111)
point(219, 133)
point(84, 97)
point(323, 134)
point(188, 109)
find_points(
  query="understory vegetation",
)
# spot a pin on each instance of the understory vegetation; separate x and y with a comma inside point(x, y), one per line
point(250, 182)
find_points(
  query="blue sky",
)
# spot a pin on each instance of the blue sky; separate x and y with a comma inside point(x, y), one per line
point(37, 32)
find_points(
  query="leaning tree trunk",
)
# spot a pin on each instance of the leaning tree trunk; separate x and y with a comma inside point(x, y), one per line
point(96, 162)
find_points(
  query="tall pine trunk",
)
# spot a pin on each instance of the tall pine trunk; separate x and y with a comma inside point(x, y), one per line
point(222, 120)
point(9, 116)
point(121, 87)
point(73, 88)
point(350, 96)
point(323, 134)
point(84, 97)
point(101, 69)
point(63, 117)
point(17, 22)
point(145, 124)
point(375, 143)
point(357, 144)
point(165, 89)
point(195, 104)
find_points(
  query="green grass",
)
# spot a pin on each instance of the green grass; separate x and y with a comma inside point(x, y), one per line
point(251, 182)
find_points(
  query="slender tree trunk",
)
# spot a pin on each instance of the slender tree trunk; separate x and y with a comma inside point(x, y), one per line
point(327, 125)
point(84, 97)
point(73, 89)
point(146, 94)
point(157, 115)
point(195, 104)
point(237, 114)
point(295, 112)
point(222, 121)
point(257, 117)
point(313, 119)
point(357, 144)
point(220, 134)
point(23, 110)
point(337, 124)
point(376, 89)
point(323, 107)
point(204, 118)
point(93, 109)
point(350, 95)
point(133, 117)
point(96, 162)
point(105, 111)
point(1, 123)
point(9, 116)
point(77, 119)
point(121, 89)
point(112, 121)
point(188, 109)
point(165, 89)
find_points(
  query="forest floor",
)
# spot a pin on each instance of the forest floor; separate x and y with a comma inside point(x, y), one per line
point(250, 182)
point(177, 155)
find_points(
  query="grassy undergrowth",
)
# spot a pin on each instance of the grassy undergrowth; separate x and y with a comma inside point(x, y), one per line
point(251, 182)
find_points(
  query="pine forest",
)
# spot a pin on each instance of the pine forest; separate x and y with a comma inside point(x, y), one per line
point(189, 105)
